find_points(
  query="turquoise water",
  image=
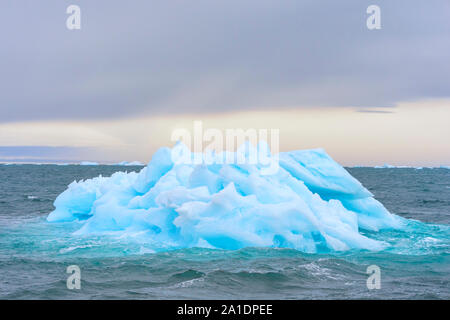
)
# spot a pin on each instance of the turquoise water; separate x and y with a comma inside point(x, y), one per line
point(34, 254)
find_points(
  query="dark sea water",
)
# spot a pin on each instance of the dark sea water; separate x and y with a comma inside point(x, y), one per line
point(34, 254)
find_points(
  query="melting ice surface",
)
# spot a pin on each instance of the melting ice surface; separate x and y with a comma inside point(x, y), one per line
point(311, 204)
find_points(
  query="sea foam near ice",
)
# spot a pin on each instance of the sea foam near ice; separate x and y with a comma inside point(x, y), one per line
point(310, 204)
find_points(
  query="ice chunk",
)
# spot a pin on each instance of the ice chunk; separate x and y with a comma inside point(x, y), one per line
point(128, 164)
point(311, 204)
point(88, 163)
point(322, 175)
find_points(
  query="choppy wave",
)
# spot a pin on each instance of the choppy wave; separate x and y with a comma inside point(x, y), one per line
point(34, 254)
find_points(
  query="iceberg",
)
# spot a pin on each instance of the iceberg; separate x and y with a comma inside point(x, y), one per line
point(128, 164)
point(310, 203)
point(88, 163)
point(385, 166)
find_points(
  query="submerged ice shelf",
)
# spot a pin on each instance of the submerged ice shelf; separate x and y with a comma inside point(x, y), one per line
point(310, 204)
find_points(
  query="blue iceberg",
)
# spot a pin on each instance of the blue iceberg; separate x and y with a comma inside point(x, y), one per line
point(311, 204)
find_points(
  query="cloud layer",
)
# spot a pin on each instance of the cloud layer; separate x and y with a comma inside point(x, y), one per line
point(160, 57)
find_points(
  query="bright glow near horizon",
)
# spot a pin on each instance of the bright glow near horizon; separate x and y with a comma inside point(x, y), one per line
point(409, 134)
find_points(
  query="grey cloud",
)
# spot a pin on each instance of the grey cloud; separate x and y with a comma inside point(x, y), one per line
point(155, 57)
point(374, 111)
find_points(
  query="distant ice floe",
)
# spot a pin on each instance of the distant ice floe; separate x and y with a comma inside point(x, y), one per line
point(311, 204)
point(123, 163)
point(126, 163)
point(388, 166)
point(88, 163)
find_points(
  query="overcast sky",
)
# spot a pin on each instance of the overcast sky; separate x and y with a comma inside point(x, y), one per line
point(165, 58)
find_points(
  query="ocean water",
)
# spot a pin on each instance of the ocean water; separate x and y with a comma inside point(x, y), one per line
point(34, 254)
